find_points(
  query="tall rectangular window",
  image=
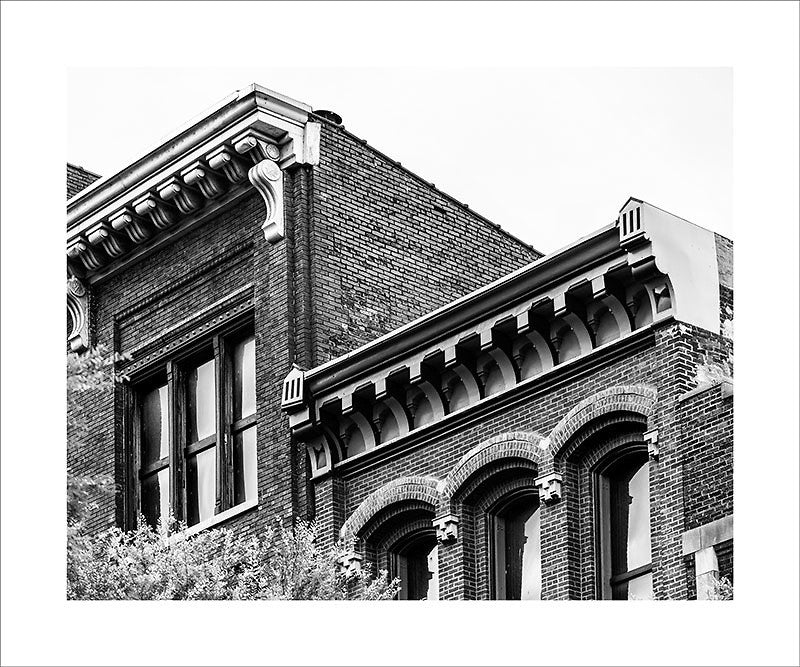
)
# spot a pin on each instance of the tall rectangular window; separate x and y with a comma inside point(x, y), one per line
point(195, 432)
point(201, 446)
point(517, 549)
point(154, 418)
point(626, 562)
point(243, 427)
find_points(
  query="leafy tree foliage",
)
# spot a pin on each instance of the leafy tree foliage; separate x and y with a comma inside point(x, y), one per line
point(166, 563)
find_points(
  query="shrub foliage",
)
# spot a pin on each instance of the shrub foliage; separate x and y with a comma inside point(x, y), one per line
point(165, 563)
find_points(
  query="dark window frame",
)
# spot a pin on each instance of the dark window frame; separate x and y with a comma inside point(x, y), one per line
point(496, 551)
point(398, 557)
point(605, 577)
point(173, 369)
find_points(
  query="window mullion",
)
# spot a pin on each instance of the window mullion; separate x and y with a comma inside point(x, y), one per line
point(177, 435)
point(223, 483)
point(132, 436)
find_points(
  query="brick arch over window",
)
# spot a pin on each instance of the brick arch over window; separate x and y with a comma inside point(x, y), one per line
point(515, 445)
point(638, 399)
point(408, 490)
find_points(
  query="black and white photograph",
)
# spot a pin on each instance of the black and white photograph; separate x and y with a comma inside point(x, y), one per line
point(392, 340)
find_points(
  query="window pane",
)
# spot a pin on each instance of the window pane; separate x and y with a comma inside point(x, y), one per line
point(419, 571)
point(630, 513)
point(245, 479)
point(433, 570)
point(201, 491)
point(244, 378)
point(155, 425)
point(518, 545)
point(532, 559)
point(201, 403)
point(155, 497)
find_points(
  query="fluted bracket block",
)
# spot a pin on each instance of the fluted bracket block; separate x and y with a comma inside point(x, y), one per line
point(350, 562)
point(267, 178)
point(651, 438)
point(549, 487)
point(447, 529)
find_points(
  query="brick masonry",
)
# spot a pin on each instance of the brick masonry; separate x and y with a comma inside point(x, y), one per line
point(78, 179)
point(365, 252)
point(370, 246)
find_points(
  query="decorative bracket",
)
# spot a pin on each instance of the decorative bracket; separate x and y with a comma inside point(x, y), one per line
point(350, 562)
point(133, 225)
point(446, 529)
point(210, 183)
point(86, 253)
point(267, 178)
point(651, 438)
point(105, 237)
point(549, 487)
point(78, 315)
point(224, 159)
point(186, 198)
point(161, 214)
point(293, 388)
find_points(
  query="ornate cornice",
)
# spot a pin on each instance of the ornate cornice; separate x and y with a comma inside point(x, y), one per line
point(189, 177)
point(596, 293)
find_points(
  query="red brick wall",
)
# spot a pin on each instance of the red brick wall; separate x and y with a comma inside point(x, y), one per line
point(334, 283)
point(568, 559)
point(388, 247)
point(78, 179)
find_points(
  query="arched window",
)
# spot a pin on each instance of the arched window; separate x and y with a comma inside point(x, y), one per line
point(624, 523)
point(516, 549)
point(415, 561)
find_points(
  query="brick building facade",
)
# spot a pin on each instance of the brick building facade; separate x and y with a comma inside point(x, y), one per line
point(313, 331)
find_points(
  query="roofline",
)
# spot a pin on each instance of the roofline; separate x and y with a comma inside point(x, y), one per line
point(429, 184)
point(193, 133)
point(83, 169)
point(577, 256)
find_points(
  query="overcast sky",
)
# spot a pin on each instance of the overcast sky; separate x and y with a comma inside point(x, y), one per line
point(549, 154)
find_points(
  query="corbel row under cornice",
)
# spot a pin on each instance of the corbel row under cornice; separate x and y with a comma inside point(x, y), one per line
point(648, 267)
point(245, 142)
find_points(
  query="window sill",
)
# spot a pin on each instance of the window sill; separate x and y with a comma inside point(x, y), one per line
point(217, 519)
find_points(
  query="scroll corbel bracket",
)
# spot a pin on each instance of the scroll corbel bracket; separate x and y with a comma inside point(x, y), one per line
point(77, 315)
point(267, 178)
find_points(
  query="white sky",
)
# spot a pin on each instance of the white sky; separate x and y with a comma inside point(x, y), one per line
point(549, 154)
